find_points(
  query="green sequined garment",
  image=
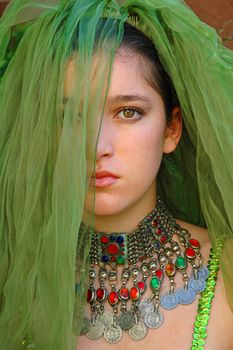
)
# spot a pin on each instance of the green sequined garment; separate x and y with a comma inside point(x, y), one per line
point(205, 301)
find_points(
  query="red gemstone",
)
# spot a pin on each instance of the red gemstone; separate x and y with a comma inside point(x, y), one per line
point(90, 295)
point(154, 223)
point(113, 258)
point(141, 285)
point(104, 239)
point(190, 253)
point(170, 269)
point(159, 274)
point(163, 239)
point(113, 248)
point(113, 298)
point(194, 243)
point(124, 293)
point(101, 294)
point(158, 231)
point(134, 293)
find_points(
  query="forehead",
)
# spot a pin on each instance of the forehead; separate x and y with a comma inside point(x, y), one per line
point(128, 75)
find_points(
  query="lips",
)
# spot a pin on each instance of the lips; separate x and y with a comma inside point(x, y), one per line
point(103, 179)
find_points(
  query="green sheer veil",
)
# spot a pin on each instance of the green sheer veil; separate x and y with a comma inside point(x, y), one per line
point(48, 136)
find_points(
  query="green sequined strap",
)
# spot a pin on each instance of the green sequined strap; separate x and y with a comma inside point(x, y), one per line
point(205, 301)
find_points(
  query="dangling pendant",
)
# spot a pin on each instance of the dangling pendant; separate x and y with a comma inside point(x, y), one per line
point(169, 301)
point(113, 334)
point(138, 331)
point(126, 320)
point(185, 296)
point(96, 330)
point(154, 319)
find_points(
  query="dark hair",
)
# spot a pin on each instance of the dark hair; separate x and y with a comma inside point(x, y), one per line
point(137, 42)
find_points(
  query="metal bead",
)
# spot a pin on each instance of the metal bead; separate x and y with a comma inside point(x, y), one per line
point(144, 268)
point(185, 233)
point(103, 273)
point(135, 273)
point(162, 258)
point(112, 275)
point(125, 275)
point(168, 252)
point(176, 248)
point(153, 265)
point(92, 274)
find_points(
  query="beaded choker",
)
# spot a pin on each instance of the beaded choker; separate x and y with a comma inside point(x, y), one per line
point(157, 249)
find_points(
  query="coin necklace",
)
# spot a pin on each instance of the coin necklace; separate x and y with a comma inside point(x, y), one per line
point(147, 255)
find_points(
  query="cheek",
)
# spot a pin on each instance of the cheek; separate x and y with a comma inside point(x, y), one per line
point(144, 150)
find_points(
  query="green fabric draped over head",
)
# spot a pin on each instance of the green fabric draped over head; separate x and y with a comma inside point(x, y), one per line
point(48, 135)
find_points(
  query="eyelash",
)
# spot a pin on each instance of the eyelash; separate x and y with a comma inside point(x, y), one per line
point(131, 119)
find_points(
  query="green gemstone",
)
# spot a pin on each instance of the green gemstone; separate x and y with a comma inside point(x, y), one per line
point(120, 260)
point(155, 283)
point(180, 263)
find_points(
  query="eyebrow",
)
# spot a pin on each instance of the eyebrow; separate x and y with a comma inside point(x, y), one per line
point(122, 98)
point(128, 98)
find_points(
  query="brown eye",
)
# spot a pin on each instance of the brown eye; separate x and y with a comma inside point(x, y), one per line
point(128, 113)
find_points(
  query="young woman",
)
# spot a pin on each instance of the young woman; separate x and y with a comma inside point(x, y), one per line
point(92, 155)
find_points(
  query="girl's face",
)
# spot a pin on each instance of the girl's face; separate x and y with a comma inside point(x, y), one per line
point(132, 139)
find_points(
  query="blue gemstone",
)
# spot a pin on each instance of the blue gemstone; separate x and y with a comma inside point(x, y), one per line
point(112, 238)
point(120, 239)
point(157, 245)
point(105, 258)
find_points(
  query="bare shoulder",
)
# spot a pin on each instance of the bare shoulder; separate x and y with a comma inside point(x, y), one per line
point(221, 317)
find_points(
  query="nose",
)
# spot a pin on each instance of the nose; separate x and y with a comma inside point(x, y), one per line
point(105, 142)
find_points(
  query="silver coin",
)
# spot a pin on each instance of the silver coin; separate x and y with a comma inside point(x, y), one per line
point(85, 326)
point(154, 319)
point(169, 301)
point(197, 285)
point(145, 307)
point(113, 334)
point(126, 320)
point(185, 296)
point(106, 318)
point(203, 272)
point(96, 331)
point(138, 331)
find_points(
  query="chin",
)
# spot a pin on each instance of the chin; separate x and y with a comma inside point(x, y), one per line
point(106, 209)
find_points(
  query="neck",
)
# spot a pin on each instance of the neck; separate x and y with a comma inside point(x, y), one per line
point(126, 220)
